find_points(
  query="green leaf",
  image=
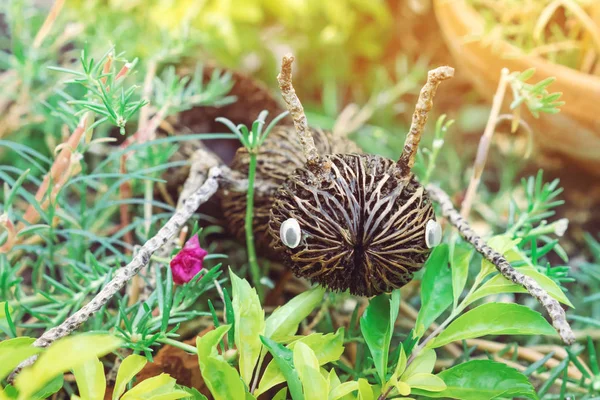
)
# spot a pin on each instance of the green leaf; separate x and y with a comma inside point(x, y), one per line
point(425, 381)
point(62, 356)
point(281, 395)
point(334, 380)
point(494, 319)
point(49, 389)
point(8, 318)
point(460, 257)
point(9, 393)
point(403, 388)
point(90, 380)
point(525, 75)
point(553, 97)
point(222, 379)
point(394, 309)
point(436, 288)
point(482, 380)
point(376, 327)
point(3, 305)
point(284, 321)
point(193, 394)
point(67, 71)
point(129, 368)
point(283, 359)
point(499, 284)
point(165, 297)
point(343, 390)
point(538, 87)
point(316, 387)
point(327, 348)
point(14, 351)
point(365, 392)
point(250, 323)
point(8, 202)
point(229, 317)
point(161, 387)
point(422, 364)
point(401, 364)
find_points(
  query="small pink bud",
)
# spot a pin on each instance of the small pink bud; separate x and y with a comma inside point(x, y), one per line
point(188, 262)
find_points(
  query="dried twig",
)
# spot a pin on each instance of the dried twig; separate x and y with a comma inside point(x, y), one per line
point(296, 110)
point(424, 104)
point(202, 161)
point(484, 145)
point(48, 22)
point(554, 309)
point(123, 275)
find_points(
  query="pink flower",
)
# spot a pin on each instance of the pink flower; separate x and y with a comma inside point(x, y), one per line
point(188, 262)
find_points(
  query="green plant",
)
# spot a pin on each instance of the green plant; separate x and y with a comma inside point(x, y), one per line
point(535, 96)
point(407, 370)
point(63, 238)
point(79, 355)
point(46, 376)
point(252, 140)
point(91, 384)
point(74, 257)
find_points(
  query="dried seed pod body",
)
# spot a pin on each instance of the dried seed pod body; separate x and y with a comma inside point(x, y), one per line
point(279, 156)
point(251, 96)
point(363, 223)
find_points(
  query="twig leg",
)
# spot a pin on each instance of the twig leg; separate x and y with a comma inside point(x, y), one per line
point(554, 309)
point(202, 161)
point(123, 275)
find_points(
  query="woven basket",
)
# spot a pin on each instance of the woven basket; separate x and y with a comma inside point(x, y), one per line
point(574, 133)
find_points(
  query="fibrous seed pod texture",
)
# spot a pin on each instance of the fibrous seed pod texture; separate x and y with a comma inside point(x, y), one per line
point(278, 157)
point(351, 221)
point(362, 218)
point(362, 223)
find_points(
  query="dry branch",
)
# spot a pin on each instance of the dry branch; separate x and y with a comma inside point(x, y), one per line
point(484, 145)
point(123, 275)
point(554, 309)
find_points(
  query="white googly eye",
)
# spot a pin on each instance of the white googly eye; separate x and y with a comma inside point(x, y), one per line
point(290, 233)
point(433, 233)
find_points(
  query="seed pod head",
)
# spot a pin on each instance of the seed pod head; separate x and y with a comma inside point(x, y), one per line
point(362, 223)
point(363, 218)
